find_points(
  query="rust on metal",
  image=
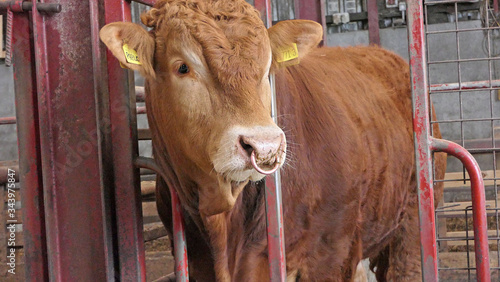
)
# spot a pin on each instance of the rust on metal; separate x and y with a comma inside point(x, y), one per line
point(421, 128)
point(30, 177)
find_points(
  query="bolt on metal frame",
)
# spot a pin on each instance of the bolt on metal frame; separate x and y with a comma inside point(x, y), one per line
point(425, 144)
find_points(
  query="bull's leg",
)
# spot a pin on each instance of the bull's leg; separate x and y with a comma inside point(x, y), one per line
point(404, 250)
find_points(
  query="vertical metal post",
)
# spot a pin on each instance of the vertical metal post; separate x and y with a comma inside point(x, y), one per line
point(274, 211)
point(180, 249)
point(421, 129)
point(373, 28)
point(70, 150)
point(313, 10)
point(128, 209)
point(424, 144)
point(35, 247)
point(264, 7)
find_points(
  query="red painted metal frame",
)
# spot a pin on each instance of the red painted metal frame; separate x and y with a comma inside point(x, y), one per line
point(71, 161)
point(274, 210)
point(373, 27)
point(128, 209)
point(264, 8)
point(30, 176)
point(424, 144)
point(82, 172)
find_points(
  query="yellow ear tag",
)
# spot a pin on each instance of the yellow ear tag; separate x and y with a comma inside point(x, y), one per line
point(289, 53)
point(131, 55)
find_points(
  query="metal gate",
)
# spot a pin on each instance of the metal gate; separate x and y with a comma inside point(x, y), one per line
point(463, 91)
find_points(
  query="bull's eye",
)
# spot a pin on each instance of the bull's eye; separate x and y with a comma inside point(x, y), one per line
point(183, 69)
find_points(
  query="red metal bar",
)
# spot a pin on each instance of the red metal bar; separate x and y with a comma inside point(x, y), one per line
point(71, 161)
point(312, 10)
point(478, 204)
point(8, 120)
point(465, 85)
point(180, 248)
point(26, 6)
point(373, 28)
point(495, 7)
point(104, 144)
point(274, 211)
point(30, 171)
point(424, 143)
point(275, 229)
point(264, 8)
point(127, 194)
point(421, 128)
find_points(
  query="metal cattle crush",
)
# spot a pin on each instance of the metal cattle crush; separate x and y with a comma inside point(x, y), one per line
point(78, 158)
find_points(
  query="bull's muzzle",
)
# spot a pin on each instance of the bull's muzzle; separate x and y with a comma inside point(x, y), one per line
point(264, 151)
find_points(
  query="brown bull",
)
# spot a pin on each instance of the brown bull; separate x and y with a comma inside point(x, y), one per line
point(349, 188)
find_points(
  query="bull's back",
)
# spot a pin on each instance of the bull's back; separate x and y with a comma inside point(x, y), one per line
point(347, 115)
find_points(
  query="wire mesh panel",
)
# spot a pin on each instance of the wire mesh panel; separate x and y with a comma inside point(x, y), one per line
point(464, 77)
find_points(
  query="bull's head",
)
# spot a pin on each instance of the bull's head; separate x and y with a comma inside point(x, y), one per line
point(207, 71)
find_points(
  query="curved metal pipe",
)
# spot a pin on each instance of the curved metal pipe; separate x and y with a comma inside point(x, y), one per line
point(478, 203)
point(180, 248)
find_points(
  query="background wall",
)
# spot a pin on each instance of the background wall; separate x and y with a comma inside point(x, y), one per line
point(8, 135)
point(475, 104)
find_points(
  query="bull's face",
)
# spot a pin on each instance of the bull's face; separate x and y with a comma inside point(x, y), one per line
point(209, 95)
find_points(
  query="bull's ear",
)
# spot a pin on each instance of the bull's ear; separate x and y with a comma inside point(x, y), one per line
point(286, 35)
point(139, 46)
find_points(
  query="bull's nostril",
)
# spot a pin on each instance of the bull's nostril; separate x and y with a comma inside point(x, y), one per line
point(247, 147)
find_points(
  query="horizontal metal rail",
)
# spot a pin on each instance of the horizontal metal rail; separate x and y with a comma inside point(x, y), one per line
point(463, 60)
point(25, 6)
point(466, 120)
point(435, 2)
point(8, 120)
point(462, 30)
point(465, 85)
